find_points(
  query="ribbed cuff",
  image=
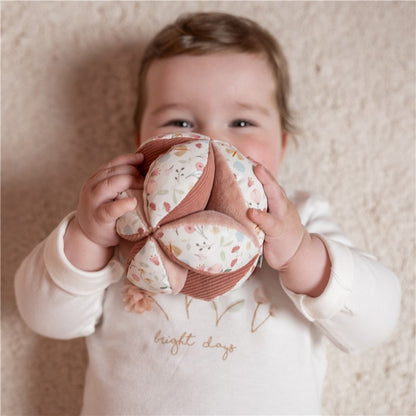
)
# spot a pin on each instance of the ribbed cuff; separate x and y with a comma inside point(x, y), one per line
point(339, 287)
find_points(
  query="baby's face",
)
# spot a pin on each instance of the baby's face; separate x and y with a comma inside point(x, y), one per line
point(226, 96)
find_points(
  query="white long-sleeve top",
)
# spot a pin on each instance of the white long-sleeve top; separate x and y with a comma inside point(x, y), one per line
point(256, 350)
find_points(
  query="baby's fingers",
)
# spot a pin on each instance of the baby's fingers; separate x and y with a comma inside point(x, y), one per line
point(276, 197)
point(265, 221)
point(109, 212)
point(122, 165)
point(133, 159)
point(110, 187)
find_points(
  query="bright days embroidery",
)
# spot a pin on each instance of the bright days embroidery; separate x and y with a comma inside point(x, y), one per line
point(187, 339)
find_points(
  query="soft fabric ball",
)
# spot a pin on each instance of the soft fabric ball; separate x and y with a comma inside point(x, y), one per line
point(190, 232)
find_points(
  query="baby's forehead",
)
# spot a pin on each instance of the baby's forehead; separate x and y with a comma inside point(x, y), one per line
point(251, 70)
point(218, 56)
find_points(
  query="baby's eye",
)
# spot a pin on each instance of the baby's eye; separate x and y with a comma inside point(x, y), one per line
point(241, 123)
point(183, 124)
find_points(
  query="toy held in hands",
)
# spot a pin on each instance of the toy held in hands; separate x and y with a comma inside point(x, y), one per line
point(190, 232)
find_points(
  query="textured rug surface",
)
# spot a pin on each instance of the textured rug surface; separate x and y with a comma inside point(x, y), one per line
point(68, 95)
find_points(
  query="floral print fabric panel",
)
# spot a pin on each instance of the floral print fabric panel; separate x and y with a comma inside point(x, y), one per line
point(211, 248)
point(147, 270)
point(132, 225)
point(242, 170)
point(172, 176)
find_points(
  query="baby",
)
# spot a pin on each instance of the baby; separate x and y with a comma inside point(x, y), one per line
point(258, 349)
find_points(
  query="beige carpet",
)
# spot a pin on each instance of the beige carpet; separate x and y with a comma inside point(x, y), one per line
point(68, 93)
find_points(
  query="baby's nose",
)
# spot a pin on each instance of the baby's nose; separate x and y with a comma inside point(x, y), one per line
point(213, 133)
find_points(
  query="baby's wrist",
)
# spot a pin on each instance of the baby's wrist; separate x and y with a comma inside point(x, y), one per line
point(307, 272)
point(82, 252)
point(297, 255)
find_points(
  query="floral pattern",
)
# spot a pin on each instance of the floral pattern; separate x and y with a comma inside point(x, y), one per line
point(242, 169)
point(209, 248)
point(147, 270)
point(172, 176)
point(131, 225)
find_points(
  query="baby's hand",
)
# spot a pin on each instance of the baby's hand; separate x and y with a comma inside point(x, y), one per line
point(93, 230)
point(282, 226)
point(300, 258)
point(99, 208)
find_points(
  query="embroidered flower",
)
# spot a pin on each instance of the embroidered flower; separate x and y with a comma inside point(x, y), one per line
point(273, 311)
point(260, 295)
point(136, 299)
